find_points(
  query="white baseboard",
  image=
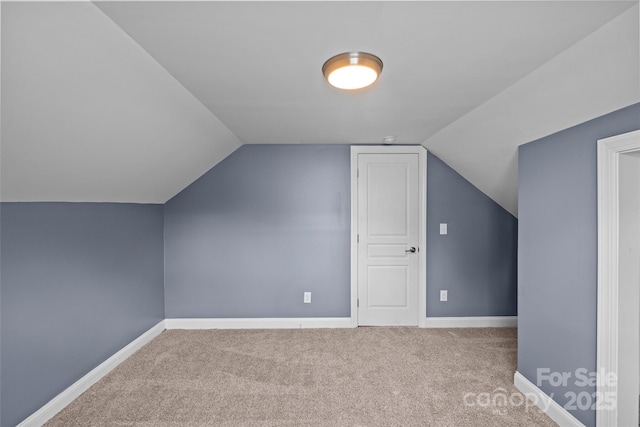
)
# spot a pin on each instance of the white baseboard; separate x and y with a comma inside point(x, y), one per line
point(472, 322)
point(549, 406)
point(59, 402)
point(260, 323)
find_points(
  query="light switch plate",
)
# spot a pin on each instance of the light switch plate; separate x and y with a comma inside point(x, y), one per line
point(443, 295)
point(443, 228)
point(307, 297)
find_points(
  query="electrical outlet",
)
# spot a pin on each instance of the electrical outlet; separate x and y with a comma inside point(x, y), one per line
point(443, 295)
point(307, 297)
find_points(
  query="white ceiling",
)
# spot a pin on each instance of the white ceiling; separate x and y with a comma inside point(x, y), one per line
point(132, 101)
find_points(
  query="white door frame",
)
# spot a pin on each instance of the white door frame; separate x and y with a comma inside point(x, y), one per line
point(609, 151)
point(422, 223)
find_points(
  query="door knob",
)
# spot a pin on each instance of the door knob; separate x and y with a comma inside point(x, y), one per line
point(411, 250)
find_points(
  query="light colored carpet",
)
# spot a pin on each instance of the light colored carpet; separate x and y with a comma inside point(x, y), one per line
point(312, 377)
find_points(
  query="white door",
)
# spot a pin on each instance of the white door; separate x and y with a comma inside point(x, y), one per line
point(388, 230)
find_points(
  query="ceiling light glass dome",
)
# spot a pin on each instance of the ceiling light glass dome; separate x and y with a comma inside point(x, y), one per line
point(352, 70)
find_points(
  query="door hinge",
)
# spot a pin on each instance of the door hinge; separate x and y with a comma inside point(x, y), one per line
point(358, 238)
point(358, 303)
point(357, 173)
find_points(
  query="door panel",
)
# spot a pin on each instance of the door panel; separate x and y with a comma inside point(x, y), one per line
point(387, 286)
point(388, 225)
point(387, 251)
point(387, 199)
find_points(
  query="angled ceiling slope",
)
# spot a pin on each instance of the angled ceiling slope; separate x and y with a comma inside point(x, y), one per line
point(449, 68)
point(88, 115)
point(597, 75)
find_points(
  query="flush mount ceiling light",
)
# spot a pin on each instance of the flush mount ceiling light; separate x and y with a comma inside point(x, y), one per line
point(352, 70)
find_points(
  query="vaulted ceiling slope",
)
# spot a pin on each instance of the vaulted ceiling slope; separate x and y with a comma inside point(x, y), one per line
point(88, 115)
point(132, 101)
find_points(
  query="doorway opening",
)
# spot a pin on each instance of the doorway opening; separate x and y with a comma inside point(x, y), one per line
point(618, 334)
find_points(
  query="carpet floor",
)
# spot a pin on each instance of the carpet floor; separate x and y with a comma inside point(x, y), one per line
point(313, 377)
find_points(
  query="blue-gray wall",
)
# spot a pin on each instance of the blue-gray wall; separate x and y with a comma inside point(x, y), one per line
point(79, 282)
point(476, 260)
point(259, 229)
point(557, 261)
point(270, 222)
point(82, 280)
